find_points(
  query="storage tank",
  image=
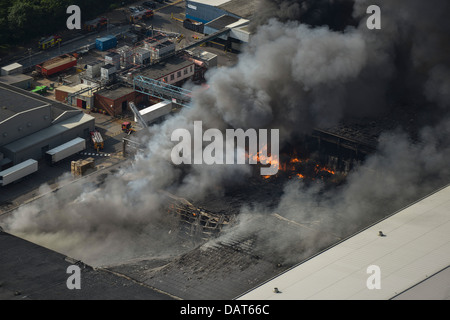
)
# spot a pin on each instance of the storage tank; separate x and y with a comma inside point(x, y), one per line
point(106, 43)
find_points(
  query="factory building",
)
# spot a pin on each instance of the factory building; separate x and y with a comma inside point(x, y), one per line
point(84, 100)
point(236, 37)
point(217, 15)
point(207, 10)
point(115, 101)
point(18, 80)
point(30, 125)
point(15, 68)
point(175, 71)
point(203, 10)
point(404, 256)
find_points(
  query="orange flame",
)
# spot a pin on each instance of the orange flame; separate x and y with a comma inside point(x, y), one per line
point(290, 166)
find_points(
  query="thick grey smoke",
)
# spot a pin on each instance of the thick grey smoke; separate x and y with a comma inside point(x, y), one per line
point(337, 14)
point(301, 70)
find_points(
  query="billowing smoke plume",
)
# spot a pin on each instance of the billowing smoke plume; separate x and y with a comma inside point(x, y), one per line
point(307, 65)
point(337, 15)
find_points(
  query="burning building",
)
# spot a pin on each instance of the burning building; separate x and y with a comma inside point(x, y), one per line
point(373, 105)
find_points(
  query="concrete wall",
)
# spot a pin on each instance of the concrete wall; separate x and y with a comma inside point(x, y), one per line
point(24, 124)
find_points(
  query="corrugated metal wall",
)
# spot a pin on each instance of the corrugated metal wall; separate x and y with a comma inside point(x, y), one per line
point(203, 13)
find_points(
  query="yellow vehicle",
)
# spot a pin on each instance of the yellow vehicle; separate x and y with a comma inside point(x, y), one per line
point(127, 128)
point(49, 42)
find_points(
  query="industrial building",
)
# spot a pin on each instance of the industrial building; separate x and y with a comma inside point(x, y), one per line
point(208, 10)
point(238, 31)
point(219, 15)
point(175, 70)
point(31, 125)
point(18, 80)
point(15, 68)
point(84, 100)
point(115, 101)
point(411, 249)
point(35, 272)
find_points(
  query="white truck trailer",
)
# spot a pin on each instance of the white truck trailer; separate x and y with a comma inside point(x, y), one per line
point(18, 171)
point(65, 150)
point(156, 111)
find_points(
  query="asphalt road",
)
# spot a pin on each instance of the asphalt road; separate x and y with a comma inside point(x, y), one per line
point(161, 20)
point(70, 46)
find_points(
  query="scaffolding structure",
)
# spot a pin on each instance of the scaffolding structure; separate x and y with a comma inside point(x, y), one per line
point(196, 223)
point(162, 90)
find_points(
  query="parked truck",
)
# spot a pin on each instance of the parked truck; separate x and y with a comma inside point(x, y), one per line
point(45, 43)
point(141, 15)
point(95, 24)
point(97, 140)
point(57, 64)
point(18, 171)
point(156, 111)
point(65, 150)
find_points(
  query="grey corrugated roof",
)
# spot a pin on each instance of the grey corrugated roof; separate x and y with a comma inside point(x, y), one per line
point(414, 246)
point(13, 102)
point(242, 8)
point(52, 131)
point(221, 22)
point(29, 271)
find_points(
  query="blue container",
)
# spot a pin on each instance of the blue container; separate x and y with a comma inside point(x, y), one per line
point(106, 43)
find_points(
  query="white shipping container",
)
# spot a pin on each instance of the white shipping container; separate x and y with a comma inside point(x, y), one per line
point(93, 70)
point(107, 70)
point(18, 171)
point(156, 111)
point(125, 56)
point(114, 59)
point(12, 69)
point(66, 150)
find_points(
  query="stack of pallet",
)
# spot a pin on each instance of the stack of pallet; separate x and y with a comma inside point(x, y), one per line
point(80, 167)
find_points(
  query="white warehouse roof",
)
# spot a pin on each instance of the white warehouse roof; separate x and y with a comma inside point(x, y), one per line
point(414, 249)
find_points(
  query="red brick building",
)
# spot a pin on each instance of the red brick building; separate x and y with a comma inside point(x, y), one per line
point(115, 102)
